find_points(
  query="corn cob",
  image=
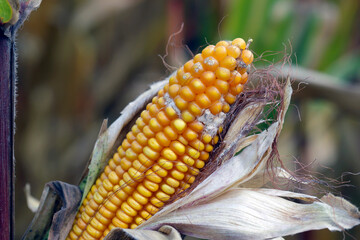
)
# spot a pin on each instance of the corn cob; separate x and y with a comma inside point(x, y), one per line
point(169, 144)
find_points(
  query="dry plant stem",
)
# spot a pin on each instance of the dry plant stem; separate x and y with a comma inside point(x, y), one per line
point(7, 85)
point(7, 113)
point(324, 86)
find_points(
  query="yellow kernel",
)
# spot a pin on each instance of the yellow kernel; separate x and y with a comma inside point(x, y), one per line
point(117, 223)
point(177, 175)
point(222, 73)
point(188, 160)
point(179, 125)
point(108, 185)
point(135, 130)
point(172, 182)
point(135, 174)
point(228, 62)
point(101, 218)
point(113, 177)
point(167, 189)
point(239, 42)
point(106, 213)
point(197, 69)
point(188, 65)
point(190, 134)
point(230, 99)
point(145, 160)
point(117, 157)
point(133, 226)
point(173, 90)
point(177, 147)
point(154, 144)
point(220, 53)
point(159, 171)
point(128, 210)
point(192, 152)
point(142, 139)
point(152, 176)
point(155, 126)
point(209, 147)
point(197, 144)
point(148, 132)
point(128, 181)
point(103, 191)
point(170, 112)
point(130, 154)
point(244, 78)
point(247, 56)
point(153, 110)
point(121, 215)
point(222, 86)
point(160, 198)
point(162, 118)
point(236, 89)
point(166, 164)
point(196, 126)
point(198, 58)
point(125, 144)
point(213, 93)
point(130, 137)
point(216, 139)
point(199, 164)
point(121, 194)
point(145, 115)
point(194, 171)
point(143, 190)
point(181, 167)
point(151, 185)
point(189, 178)
point(186, 93)
point(211, 64)
point(204, 156)
point(183, 140)
point(179, 74)
point(170, 133)
point(184, 185)
point(161, 92)
point(140, 198)
point(134, 204)
point(93, 232)
point(172, 80)
point(168, 154)
point(146, 215)
point(180, 103)
point(162, 139)
point(222, 43)
point(208, 51)
point(226, 108)
point(187, 116)
point(153, 155)
point(121, 151)
point(216, 107)
point(233, 51)
point(197, 86)
point(97, 224)
point(136, 147)
point(115, 200)
point(161, 102)
point(110, 206)
point(203, 101)
point(208, 78)
point(195, 109)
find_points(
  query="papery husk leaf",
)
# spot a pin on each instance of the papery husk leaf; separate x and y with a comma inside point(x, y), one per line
point(105, 143)
point(261, 214)
point(165, 233)
point(58, 204)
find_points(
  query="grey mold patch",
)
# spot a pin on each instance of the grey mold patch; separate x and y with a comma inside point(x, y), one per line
point(212, 122)
point(170, 103)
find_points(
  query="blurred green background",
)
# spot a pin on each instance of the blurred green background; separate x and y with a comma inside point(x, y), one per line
point(82, 61)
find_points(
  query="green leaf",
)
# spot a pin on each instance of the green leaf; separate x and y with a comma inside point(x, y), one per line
point(5, 11)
